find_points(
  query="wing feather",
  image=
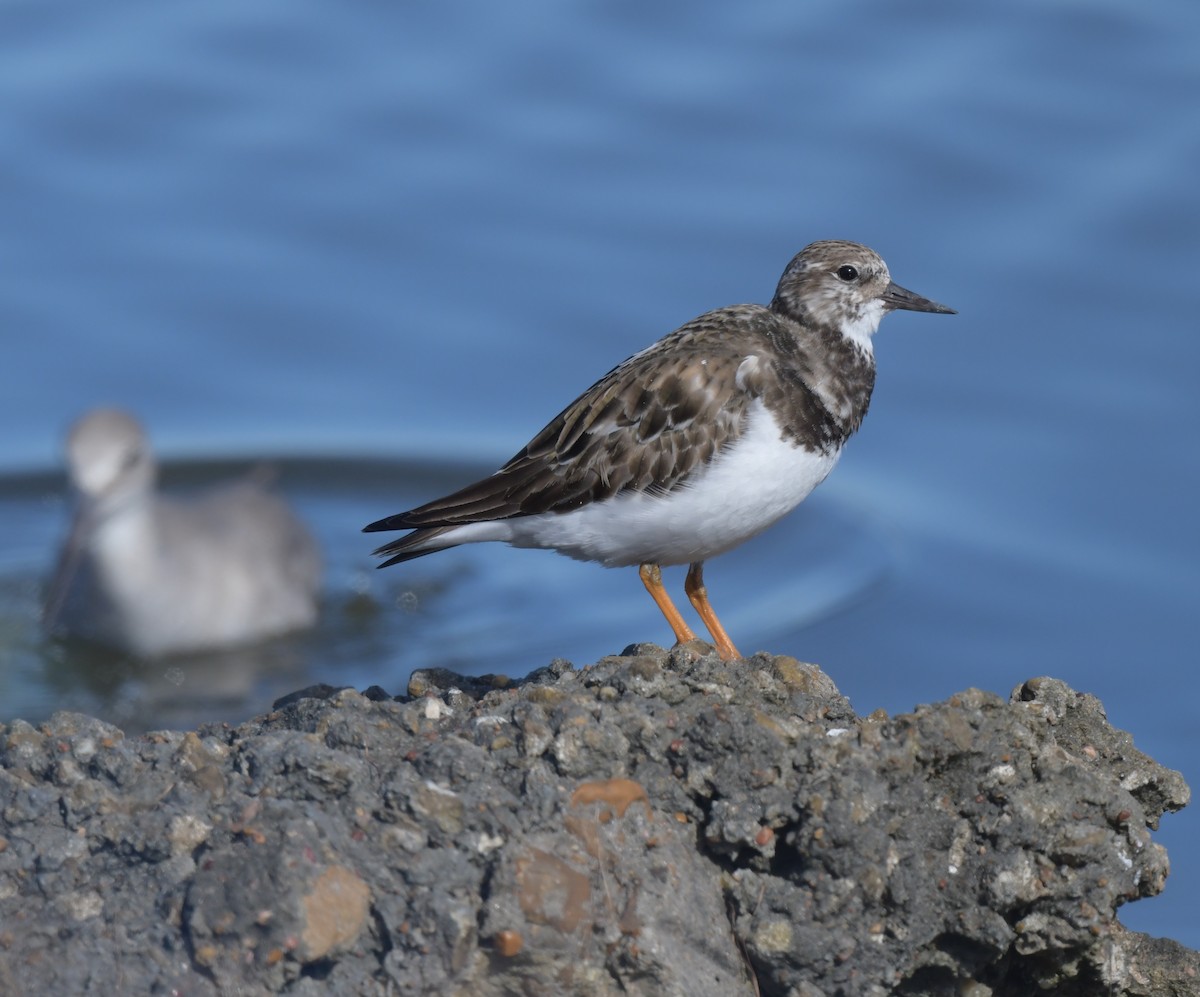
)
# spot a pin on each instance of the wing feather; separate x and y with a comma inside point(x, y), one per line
point(646, 426)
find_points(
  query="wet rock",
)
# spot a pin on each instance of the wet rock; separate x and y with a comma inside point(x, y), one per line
point(657, 823)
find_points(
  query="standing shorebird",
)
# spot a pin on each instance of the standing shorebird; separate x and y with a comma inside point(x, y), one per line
point(154, 575)
point(695, 444)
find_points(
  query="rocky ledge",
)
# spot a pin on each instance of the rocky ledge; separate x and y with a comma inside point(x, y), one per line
point(656, 823)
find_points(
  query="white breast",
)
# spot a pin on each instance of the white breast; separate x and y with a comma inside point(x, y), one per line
point(747, 488)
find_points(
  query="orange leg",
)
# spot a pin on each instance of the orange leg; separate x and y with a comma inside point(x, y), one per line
point(698, 594)
point(652, 579)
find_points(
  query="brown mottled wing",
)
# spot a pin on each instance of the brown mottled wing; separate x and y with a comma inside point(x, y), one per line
point(645, 426)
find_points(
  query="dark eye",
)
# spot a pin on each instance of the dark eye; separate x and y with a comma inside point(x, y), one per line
point(132, 458)
point(847, 273)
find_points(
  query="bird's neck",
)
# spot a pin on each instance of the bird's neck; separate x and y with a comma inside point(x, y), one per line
point(120, 530)
point(838, 370)
point(861, 329)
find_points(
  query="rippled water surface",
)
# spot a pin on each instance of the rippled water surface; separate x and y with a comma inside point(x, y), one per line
point(389, 243)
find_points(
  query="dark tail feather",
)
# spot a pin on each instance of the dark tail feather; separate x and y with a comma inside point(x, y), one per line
point(416, 544)
point(396, 522)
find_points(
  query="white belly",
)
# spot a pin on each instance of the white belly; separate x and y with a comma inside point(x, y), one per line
point(746, 489)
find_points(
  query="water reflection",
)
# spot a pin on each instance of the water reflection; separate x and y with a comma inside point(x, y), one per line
point(139, 694)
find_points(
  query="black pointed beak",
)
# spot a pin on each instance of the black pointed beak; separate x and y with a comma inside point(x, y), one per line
point(896, 298)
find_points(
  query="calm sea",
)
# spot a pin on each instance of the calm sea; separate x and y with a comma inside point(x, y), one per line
point(382, 244)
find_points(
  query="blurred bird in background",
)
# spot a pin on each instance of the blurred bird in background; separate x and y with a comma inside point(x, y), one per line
point(155, 575)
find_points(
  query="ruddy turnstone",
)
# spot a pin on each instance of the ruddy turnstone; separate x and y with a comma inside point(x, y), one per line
point(695, 444)
point(154, 575)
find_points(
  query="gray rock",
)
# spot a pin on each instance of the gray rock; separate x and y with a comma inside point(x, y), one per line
point(657, 823)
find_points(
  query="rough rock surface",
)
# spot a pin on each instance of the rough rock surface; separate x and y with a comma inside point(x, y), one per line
point(656, 823)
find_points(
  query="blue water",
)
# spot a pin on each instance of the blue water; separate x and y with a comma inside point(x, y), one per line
point(412, 233)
